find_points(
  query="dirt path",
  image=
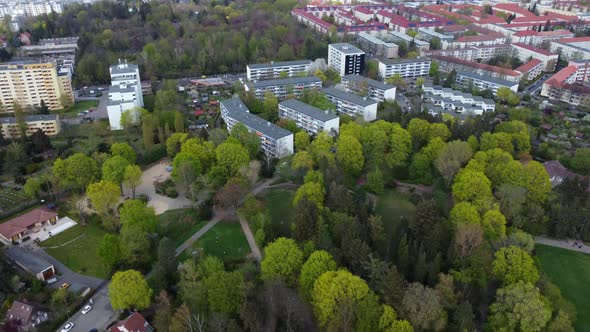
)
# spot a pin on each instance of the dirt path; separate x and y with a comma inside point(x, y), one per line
point(564, 244)
point(250, 237)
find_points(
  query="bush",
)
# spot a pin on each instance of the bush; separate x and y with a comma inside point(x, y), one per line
point(206, 209)
point(166, 188)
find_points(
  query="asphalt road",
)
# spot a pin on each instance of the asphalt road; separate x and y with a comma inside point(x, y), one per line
point(535, 87)
point(99, 317)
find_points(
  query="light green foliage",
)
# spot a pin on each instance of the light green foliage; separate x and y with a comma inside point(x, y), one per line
point(421, 168)
point(487, 141)
point(439, 130)
point(124, 150)
point(248, 139)
point(338, 292)
point(204, 151)
point(113, 170)
point(473, 143)
point(504, 141)
point(313, 191)
point(78, 170)
point(352, 129)
point(523, 240)
point(231, 157)
point(349, 154)
point(184, 158)
point(536, 181)
point(434, 148)
point(388, 321)
point(375, 140)
point(302, 160)
point(282, 261)
point(419, 130)
point(512, 264)
point(451, 158)
point(464, 213)
point(210, 265)
point(375, 182)
point(314, 176)
point(519, 307)
point(506, 96)
point(132, 177)
point(104, 196)
point(225, 291)
point(109, 250)
point(474, 187)
point(301, 140)
point(317, 264)
point(321, 146)
point(174, 142)
point(129, 290)
point(32, 187)
point(400, 146)
point(581, 161)
point(136, 213)
point(494, 225)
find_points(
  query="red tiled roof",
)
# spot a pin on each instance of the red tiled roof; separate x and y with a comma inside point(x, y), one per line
point(533, 49)
point(575, 40)
point(556, 33)
point(491, 20)
point(482, 66)
point(133, 323)
point(528, 66)
point(512, 7)
point(363, 10)
point(561, 76)
point(480, 38)
point(525, 33)
point(21, 223)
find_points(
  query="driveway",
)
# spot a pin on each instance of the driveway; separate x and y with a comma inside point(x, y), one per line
point(99, 317)
point(77, 281)
point(160, 203)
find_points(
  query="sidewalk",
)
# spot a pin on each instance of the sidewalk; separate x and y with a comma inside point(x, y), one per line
point(564, 244)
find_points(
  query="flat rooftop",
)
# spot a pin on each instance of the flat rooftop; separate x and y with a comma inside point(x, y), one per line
point(371, 82)
point(123, 68)
point(279, 64)
point(347, 48)
point(314, 112)
point(32, 118)
point(286, 81)
point(28, 259)
point(350, 97)
point(240, 113)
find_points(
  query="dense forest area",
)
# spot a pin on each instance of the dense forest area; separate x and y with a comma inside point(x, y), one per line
point(180, 40)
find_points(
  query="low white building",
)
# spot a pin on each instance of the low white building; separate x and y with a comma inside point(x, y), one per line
point(375, 90)
point(275, 141)
point(455, 102)
point(311, 119)
point(351, 104)
point(405, 67)
point(282, 88)
point(124, 93)
point(526, 52)
point(274, 70)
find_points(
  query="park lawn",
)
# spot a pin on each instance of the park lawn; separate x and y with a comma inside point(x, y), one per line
point(81, 256)
point(179, 225)
point(279, 203)
point(225, 240)
point(393, 206)
point(570, 271)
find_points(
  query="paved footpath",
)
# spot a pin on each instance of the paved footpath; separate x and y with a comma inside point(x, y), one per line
point(250, 237)
point(565, 244)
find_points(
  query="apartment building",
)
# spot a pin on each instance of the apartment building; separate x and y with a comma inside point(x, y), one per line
point(468, 79)
point(422, 46)
point(351, 104)
point(274, 70)
point(311, 119)
point(577, 48)
point(455, 102)
point(568, 86)
point(49, 125)
point(282, 88)
point(479, 40)
point(539, 39)
point(448, 64)
point(531, 69)
point(375, 90)
point(525, 52)
point(125, 92)
point(473, 53)
point(427, 34)
point(275, 141)
point(29, 82)
point(346, 59)
point(375, 46)
point(405, 67)
point(50, 47)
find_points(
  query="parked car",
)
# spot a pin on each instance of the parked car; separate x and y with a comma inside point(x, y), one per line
point(86, 309)
point(65, 285)
point(67, 327)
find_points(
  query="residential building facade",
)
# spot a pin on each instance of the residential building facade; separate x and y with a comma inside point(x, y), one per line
point(125, 92)
point(526, 52)
point(282, 88)
point(567, 84)
point(455, 102)
point(274, 70)
point(375, 90)
point(405, 67)
point(466, 79)
point(49, 124)
point(351, 104)
point(30, 82)
point(275, 141)
point(377, 47)
point(346, 59)
point(311, 119)
point(22, 227)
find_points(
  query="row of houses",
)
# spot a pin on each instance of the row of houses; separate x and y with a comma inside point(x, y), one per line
point(454, 102)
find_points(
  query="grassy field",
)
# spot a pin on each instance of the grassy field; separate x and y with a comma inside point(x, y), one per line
point(78, 106)
point(224, 240)
point(393, 205)
point(279, 202)
point(80, 256)
point(570, 271)
point(179, 225)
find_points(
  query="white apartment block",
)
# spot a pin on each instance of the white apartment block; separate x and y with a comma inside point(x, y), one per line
point(483, 82)
point(351, 104)
point(375, 90)
point(405, 67)
point(29, 8)
point(311, 119)
point(480, 40)
point(282, 88)
point(49, 124)
point(124, 93)
point(572, 48)
point(422, 46)
point(275, 141)
point(346, 59)
point(376, 46)
point(30, 82)
point(452, 102)
point(473, 53)
point(274, 70)
point(524, 52)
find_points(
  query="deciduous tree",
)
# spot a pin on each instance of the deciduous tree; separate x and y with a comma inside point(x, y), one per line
point(104, 196)
point(124, 150)
point(422, 307)
point(301, 141)
point(129, 290)
point(317, 264)
point(136, 213)
point(519, 307)
point(349, 153)
point(282, 261)
point(110, 251)
point(132, 178)
point(512, 264)
point(113, 170)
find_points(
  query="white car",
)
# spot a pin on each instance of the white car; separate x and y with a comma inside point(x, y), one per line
point(86, 309)
point(67, 327)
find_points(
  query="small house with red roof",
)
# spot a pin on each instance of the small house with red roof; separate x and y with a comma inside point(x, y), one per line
point(133, 323)
point(20, 228)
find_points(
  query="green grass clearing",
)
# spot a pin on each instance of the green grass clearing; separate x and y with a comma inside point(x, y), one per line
point(179, 225)
point(393, 206)
point(279, 203)
point(80, 256)
point(78, 107)
point(224, 240)
point(570, 271)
